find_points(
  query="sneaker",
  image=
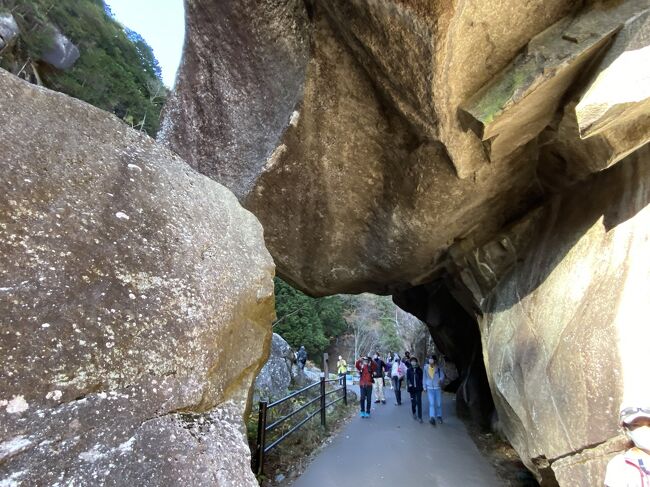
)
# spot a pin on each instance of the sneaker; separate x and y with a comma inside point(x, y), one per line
point(362, 414)
point(440, 420)
point(383, 402)
point(377, 401)
point(367, 415)
point(432, 421)
point(414, 416)
point(420, 420)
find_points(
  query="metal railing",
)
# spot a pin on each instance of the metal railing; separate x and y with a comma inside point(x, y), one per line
point(261, 448)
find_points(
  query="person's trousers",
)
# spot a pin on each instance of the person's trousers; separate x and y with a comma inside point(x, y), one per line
point(366, 397)
point(397, 387)
point(341, 375)
point(378, 389)
point(416, 403)
point(435, 403)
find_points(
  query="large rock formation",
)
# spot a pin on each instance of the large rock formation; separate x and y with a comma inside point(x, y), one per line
point(274, 379)
point(419, 148)
point(126, 280)
point(563, 330)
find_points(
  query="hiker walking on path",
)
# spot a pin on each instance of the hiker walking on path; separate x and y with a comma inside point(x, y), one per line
point(632, 467)
point(414, 383)
point(397, 373)
point(301, 357)
point(366, 368)
point(378, 384)
point(342, 369)
point(433, 377)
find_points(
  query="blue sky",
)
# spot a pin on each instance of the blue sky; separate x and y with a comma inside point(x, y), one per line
point(161, 23)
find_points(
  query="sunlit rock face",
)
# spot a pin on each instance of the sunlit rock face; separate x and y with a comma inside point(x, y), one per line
point(563, 330)
point(136, 297)
point(368, 137)
point(421, 144)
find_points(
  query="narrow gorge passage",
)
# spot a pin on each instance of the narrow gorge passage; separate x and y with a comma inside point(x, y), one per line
point(390, 448)
point(483, 163)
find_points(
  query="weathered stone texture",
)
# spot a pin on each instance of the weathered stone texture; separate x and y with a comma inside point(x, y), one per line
point(239, 82)
point(135, 297)
point(561, 331)
point(275, 377)
point(416, 148)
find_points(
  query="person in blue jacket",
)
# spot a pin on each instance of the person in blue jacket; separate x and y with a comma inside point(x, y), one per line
point(432, 382)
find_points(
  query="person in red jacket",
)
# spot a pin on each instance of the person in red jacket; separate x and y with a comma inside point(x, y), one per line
point(366, 368)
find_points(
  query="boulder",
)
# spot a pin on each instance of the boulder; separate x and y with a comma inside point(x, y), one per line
point(619, 95)
point(275, 377)
point(126, 280)
point(421, 150)
point(563, 331)
point(361, 149)
point(8, 29)
point(519, 102)
point(306, 376)
point(238, 85)
point(62, 54)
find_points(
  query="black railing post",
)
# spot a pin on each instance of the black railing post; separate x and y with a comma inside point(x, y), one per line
point(345, 390)
point(322, 400)
point(261, 438)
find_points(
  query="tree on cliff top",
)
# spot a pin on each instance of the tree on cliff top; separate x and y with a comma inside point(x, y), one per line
point(116, 71)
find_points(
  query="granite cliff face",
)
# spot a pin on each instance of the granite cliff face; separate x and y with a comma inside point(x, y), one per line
point(127, 280)
point(482, 161)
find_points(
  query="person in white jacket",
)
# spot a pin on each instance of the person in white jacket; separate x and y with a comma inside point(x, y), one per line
point(397, 373)
point(432, 382)
point(632, 467)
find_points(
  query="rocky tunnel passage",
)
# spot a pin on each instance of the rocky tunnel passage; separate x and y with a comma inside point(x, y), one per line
point(483, 162)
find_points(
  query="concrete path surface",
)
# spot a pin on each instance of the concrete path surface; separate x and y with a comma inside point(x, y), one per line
point(391, 449)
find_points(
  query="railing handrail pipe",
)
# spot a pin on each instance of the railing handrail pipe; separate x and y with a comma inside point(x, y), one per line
point(262, 428)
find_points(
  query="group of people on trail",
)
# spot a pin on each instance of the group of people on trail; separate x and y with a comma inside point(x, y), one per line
point(418, 380)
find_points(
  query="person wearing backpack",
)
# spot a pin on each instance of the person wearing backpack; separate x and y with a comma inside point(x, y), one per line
point(397, 373)
point(414, 387)
point(433, 377)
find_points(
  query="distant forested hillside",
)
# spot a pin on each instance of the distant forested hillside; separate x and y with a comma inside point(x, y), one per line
point(116, 69)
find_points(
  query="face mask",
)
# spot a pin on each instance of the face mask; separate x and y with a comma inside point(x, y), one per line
point(430, 361)
point(641, 437)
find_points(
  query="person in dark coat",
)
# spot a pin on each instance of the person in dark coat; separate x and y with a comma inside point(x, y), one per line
point(378, 384)
point(301, 357)
point(414, 387)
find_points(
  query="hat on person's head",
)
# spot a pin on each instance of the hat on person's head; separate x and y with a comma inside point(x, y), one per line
point(629, 413)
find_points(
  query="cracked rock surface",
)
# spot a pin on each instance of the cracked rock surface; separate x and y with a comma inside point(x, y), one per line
point(418, 149)
point(136, 297)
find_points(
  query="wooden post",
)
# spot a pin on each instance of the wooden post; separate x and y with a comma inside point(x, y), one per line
point(326, 365)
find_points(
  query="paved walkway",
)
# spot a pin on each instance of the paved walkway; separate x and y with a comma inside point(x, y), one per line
point(391, 449)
